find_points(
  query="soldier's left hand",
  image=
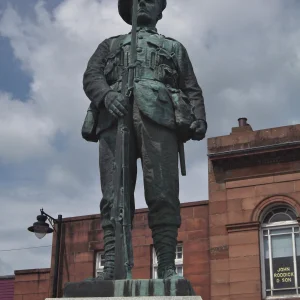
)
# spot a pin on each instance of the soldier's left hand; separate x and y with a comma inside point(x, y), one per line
point(198, 128)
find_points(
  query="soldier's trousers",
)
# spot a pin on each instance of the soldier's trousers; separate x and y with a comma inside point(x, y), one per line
point(157, 146)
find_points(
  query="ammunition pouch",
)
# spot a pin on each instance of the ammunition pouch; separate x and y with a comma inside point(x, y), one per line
point(90, 123)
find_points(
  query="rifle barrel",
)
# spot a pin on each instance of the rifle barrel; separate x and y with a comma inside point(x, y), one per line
point(133, 56)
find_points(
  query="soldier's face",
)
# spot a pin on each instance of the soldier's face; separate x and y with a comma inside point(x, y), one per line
point(148, 12)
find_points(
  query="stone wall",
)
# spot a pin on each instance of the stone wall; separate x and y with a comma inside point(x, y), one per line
point(32, 284)
point(82, 238)
point(238, 193)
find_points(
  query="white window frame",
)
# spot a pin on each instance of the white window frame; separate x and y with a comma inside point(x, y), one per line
point(178, 261)
point(273, 226)
point(99, 266)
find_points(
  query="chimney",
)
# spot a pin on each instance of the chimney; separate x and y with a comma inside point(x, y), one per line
point(242, 122)
point(243, 126)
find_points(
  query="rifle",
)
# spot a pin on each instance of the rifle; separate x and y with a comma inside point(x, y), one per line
point(120, 213)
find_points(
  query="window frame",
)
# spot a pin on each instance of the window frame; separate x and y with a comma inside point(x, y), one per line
point(178, 261)
point(273, 226)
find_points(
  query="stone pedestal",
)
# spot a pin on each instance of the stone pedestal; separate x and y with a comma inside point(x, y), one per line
point(137, 298)
point(129, 288)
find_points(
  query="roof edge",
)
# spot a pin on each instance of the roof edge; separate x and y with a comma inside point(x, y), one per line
point(32, 271)
point(137, 211)
point(5, 277)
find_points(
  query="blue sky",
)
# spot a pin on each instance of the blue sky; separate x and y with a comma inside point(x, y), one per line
point(12, 73)
point(246, 57)
point(13, 79)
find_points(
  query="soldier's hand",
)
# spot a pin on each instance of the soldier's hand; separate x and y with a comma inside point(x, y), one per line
point(198, 128)
point(115, 104)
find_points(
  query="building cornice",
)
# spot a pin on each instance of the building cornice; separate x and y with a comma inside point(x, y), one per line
point(254, 150)
point(227, 165)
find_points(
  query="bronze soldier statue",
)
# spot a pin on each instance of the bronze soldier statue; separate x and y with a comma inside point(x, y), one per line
point(167, 110)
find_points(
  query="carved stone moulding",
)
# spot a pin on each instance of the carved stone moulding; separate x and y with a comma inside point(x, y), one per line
point(227, 164)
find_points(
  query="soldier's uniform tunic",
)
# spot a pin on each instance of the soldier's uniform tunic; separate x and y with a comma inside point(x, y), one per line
point(163, 72)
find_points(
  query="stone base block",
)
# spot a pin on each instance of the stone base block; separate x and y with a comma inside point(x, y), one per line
point(128, 288)
point(137, 298)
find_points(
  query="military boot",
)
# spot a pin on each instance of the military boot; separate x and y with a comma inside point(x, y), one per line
point(109, 254)
point(165, 241)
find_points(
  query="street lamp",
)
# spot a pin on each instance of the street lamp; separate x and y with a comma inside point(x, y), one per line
point(41, 228)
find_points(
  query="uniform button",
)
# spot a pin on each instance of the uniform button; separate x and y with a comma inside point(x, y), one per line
point(139, 49)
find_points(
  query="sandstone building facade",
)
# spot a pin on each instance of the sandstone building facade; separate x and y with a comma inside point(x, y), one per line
point(243, 243)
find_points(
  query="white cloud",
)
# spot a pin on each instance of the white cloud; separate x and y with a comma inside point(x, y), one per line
point(246, 57)
point(24, 133)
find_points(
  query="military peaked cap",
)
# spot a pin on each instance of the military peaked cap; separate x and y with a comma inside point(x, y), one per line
point(125, 7)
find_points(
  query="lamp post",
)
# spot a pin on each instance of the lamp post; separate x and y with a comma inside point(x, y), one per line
point(41, 228)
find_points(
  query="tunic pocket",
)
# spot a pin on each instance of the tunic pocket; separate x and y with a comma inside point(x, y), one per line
point(184, 116)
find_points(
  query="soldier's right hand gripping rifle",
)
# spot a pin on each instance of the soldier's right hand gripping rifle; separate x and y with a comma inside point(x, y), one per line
point(121, 212)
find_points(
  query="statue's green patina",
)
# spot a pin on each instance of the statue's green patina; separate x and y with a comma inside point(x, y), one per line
point(163, 109)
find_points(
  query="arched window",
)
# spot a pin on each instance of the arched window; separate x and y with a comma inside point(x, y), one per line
point(280, 247)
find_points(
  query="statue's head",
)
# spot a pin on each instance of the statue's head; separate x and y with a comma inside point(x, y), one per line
point(149, 11)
